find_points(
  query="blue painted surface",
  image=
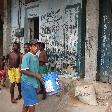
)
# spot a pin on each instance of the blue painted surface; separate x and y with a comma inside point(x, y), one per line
point(51, 83)
point(105, 45)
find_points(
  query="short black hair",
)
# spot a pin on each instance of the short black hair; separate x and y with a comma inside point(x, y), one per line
point(33, 42)
point(42, 44)
point(17, 44)
point(28, 44)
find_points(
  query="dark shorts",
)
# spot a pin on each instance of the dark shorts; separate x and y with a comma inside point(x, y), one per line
point(29, 94)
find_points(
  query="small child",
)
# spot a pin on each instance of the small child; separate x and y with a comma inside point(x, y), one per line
point(43, 59)
point(30, 78)
point(2, 70)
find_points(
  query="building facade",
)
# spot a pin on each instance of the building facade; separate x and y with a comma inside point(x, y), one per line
point(70, 29)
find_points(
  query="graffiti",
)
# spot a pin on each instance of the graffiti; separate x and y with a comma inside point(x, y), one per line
point(89, 47)
point(105, 48)
point(17, 39)
point(51, 16)
point(59, 29)
point(29, 1)
point(50, 22)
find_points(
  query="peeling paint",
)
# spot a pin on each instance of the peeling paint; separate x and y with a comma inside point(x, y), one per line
point(59, 28)
point(60, 31)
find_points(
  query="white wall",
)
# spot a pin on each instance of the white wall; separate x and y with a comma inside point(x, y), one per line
point(58, 22)
point(14, 21)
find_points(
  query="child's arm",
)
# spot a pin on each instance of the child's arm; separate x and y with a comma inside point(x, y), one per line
point(27, 72)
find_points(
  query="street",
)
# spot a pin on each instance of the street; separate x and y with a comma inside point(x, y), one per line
point(53, 103)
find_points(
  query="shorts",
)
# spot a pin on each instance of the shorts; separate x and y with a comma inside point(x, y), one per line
point(43, 69)
point(14, 75)
point(29, 94)
point(2, 74)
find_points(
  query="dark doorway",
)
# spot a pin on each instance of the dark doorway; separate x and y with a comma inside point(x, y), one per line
point(36, 28)
point(33, 26)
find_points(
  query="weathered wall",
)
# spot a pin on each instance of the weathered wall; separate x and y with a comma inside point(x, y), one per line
point(1, 36)
point(7, 27)
point(59, 28)
point(105, 41)
point(91, 45)
point(17, 20)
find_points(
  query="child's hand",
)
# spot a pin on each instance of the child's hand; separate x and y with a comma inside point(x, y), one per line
point(38, 76)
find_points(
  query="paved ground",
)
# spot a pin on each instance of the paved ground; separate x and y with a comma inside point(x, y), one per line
point(51, 104)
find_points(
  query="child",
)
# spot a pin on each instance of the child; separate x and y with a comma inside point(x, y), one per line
point(14, 60)
point(26, 48)
point(43, 59)
point(30, 78)
point(2, 70)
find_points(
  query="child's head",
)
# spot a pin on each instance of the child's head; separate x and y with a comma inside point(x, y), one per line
point(27, 47)
point(16, 46)
point(42, 46)
point(34, 47)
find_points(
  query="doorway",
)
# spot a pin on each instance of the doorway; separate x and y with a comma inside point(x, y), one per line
point(33, 27)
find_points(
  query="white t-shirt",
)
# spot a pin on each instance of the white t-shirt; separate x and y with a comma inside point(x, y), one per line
point(38, 53)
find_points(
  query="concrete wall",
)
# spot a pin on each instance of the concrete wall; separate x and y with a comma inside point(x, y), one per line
point(91, 45)
point(47, 8)
point(59, 28)
point(17, 20)
point(55, 15)
point(7, 27)
point(1, 36)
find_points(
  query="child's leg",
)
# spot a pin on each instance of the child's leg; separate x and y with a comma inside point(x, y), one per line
point(3, 83)
point(25, 108)
point(43, 90)
point(12, 92)
point(17, 78)
point(3, 80)
point(19, 90)
point(29, 96)
point(32, 108)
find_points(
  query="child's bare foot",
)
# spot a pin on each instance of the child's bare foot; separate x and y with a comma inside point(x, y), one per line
point(19, 97)
point(13, 101)
point(44, 96)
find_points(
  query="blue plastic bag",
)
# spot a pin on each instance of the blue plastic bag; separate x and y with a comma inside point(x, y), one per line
point(51, 82)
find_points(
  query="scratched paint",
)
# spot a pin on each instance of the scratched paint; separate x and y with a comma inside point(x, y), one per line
point(105, 48)
point(59, 29)
point(105, 59)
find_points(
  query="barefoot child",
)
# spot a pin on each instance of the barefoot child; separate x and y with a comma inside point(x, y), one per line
point(30, 78)
point(2, 71)
point(43, 59)
point(14, 60)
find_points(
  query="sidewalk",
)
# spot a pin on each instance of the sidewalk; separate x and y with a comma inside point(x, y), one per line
point(51, 104)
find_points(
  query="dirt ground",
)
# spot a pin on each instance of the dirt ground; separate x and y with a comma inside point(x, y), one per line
point(55, 103)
